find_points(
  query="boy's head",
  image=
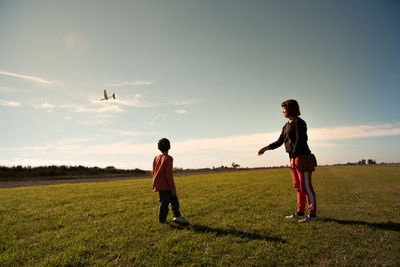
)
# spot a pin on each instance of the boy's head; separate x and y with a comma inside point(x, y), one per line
point(164, 145)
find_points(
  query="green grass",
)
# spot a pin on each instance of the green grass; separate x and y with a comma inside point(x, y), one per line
point(236, 219)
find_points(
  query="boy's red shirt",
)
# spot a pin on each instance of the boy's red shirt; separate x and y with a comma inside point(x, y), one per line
point(163, 178)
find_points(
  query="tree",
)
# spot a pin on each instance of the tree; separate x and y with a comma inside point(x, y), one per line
point(235, 166)
point(362, 162)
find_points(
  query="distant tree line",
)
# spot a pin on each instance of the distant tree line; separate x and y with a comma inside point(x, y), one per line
point(28, 172)
point(361, 162)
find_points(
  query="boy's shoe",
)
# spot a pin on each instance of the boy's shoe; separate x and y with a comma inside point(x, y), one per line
point(294, 216)
point(308, 219)
point(181, 221)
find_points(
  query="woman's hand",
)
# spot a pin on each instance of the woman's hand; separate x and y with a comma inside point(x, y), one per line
point(292, 163)
point(262, 150)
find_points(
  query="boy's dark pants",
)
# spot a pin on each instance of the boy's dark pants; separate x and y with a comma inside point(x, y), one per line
point(166, 197)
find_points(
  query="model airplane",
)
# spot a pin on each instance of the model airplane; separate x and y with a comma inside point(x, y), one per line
point(106, 96)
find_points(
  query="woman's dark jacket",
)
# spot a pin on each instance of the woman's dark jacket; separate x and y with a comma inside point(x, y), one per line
point(294, 135)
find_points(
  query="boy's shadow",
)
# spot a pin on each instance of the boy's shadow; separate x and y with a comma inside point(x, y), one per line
point(390, 226)
point(226, 232)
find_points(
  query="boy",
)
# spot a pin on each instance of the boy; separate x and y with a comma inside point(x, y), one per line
point(163, 182)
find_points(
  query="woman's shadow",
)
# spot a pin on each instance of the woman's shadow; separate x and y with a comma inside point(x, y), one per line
point(228, 232)
point(389, 226)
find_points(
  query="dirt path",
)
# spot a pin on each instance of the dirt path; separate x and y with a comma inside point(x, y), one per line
point(12, 184)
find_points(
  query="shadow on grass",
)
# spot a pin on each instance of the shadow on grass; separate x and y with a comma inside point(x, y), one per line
point(390, 226)
point(231, 232)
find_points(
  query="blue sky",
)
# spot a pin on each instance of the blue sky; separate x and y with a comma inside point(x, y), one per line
point(208, 75)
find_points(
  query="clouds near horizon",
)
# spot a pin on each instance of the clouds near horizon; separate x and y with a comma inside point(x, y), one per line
point(239, 145)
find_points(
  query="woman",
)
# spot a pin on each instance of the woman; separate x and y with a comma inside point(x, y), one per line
point(294, 135)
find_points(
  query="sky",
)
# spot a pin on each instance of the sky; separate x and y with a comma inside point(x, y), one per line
point(208, 75)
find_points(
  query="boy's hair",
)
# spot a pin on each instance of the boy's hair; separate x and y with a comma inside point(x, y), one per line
point(164, 145)
point(292, 107)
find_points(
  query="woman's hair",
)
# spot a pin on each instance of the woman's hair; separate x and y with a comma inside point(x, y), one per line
point(164, 145)
point(292, 107)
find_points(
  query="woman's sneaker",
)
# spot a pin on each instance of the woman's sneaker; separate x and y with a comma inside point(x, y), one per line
point(295, 215)
point(181, 221)
point(308, 219)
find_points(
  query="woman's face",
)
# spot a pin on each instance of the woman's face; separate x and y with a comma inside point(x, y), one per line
point(284, 111)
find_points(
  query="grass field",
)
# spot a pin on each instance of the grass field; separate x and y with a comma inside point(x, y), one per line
point(236, 219)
